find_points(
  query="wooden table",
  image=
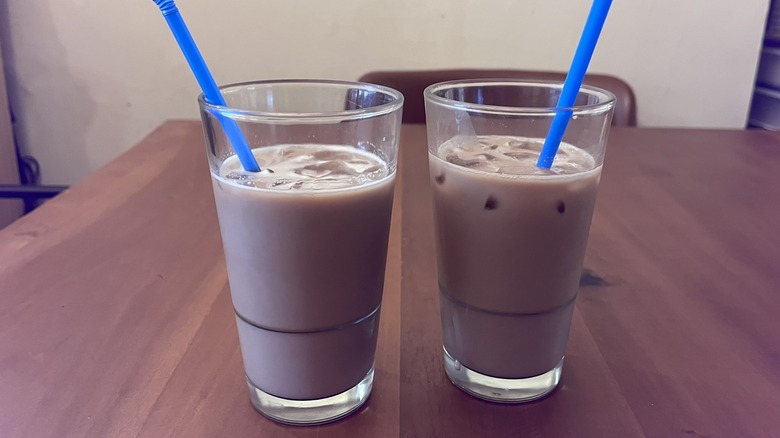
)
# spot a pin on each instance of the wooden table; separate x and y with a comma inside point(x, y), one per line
point(115, 316)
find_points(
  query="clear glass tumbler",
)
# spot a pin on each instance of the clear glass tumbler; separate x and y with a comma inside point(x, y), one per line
point(510, 236)
point(305, 238)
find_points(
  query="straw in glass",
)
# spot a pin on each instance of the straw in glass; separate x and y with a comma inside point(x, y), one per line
point(573, 82)
point(206, 81)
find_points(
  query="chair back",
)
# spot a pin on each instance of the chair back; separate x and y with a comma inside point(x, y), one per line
point(412, 84)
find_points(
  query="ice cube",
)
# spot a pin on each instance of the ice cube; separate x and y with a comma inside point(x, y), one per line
point(458, 161)
point(523, 155)
point(330, 167)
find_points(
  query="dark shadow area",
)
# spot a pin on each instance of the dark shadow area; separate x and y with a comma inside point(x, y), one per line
point(53, 59)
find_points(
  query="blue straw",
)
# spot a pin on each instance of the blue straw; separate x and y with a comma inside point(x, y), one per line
point(573, 82)
point(206, 81)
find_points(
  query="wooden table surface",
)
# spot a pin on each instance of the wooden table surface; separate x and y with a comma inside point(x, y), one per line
point(115, 315)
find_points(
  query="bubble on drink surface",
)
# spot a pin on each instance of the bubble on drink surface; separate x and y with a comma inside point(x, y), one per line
point(241, 177)
point(280, 182)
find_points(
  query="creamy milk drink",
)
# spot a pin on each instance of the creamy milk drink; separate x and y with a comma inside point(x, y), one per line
point(305, 233)
point(511, 241)
point(305, 243)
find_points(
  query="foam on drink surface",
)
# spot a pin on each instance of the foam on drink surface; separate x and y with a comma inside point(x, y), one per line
point(307, 167)
point(510, 155)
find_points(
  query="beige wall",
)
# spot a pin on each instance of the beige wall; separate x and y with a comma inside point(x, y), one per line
point(10, 209)
point(89, 78)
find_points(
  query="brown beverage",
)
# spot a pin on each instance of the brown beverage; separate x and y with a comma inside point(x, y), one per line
point(511, 241)
point(305, 242)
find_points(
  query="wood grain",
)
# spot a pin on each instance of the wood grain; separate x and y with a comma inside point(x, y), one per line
point(116, 321)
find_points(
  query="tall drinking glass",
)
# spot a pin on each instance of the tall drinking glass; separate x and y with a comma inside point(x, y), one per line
point(510, 237)
point(305, 238)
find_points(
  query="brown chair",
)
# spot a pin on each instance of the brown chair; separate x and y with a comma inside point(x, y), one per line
point(412, 84)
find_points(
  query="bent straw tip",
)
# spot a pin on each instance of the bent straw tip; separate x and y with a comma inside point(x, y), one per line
point(166, 6)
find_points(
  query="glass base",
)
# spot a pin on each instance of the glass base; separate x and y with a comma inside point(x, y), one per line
point(500, 390)
point(310, 412)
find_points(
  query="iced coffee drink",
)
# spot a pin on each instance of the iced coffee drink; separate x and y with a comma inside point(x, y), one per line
point(511, 240)
point(306, 237)
point(510, 236)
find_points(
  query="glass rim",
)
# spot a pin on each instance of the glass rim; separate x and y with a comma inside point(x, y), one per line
point(311, 116)
point(606, 98)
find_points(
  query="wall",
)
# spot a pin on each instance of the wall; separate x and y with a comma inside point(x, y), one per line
point(10, 209)
point(90, 78)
